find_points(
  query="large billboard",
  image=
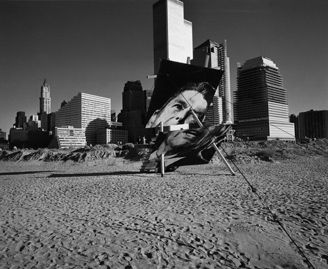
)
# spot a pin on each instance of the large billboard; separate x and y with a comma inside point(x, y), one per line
point(179, 87)
point(183, 92)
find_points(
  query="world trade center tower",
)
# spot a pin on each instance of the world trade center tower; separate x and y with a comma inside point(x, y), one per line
point(172, 34)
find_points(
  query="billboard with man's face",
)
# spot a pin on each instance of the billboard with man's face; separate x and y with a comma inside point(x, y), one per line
point(180, 88)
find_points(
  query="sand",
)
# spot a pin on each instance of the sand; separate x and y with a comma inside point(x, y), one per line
point(102, 214)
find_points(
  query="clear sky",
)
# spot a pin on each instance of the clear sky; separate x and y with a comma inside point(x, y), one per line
point(97, 46)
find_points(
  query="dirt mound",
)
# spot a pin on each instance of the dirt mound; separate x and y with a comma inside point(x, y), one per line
point(48, 155)
point(13, 156)
point(252, 151)
point(246, 152)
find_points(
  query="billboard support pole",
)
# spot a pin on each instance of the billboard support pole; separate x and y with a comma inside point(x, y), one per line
point(162, 155)
point(214, 145)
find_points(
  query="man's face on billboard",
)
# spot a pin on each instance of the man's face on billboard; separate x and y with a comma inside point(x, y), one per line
point(177, 110)
point(180, 139)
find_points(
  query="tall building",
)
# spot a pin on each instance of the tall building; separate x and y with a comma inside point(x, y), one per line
point(45, 106)
point(261, 108)
point(134, 97)
point(313, 124)
point(45, 99)
point(86, 111)
point(20, 120)
point(172, 34)
point(133, 113)
point(214, 55)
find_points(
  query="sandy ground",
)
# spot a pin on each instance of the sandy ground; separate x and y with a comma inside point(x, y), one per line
point(100, 215)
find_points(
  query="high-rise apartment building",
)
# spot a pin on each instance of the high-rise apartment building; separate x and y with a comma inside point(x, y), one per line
point(261, 109)
point(45, 99)
point(172, 34)
point(86, 111)
point(214, 55)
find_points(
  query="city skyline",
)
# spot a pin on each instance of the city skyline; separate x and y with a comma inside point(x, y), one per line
point(96, 47)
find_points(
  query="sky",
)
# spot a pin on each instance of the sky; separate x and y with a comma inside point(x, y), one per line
point(97, 46)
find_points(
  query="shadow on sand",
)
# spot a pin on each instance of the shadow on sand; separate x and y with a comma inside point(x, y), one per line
point(96, 174)
point(22, 173)
point(120, 173)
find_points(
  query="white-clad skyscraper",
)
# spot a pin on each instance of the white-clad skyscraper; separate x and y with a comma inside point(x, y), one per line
point(172, 34)
point(261, 108)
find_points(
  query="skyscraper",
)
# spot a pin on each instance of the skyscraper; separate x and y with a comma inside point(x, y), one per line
point(261, 108)
point(214, 55)
point(45, 99)
point(86, 111)
point(134, 97)
point(133, 112)
point(45, 106)
point(172, 34)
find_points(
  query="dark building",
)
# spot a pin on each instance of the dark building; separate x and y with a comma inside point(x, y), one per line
point(38, 139)
point(133, 113)
point(20, 120)
point(3, 135)
point(64, 103)
point(313, 124)
point(294, 119)
point(113, 117)
point(133, 96)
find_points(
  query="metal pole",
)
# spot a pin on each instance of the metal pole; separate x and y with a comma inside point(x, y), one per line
point(214, 145)
point(162, 155)
point(223, 159)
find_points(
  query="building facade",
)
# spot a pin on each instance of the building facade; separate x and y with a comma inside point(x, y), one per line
point(260, 103)
point(87, 111)
point(68, 137)
point(313, 124)
point(18, 137)
point(117, 136)
point(172, 34)
point(214, 55)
